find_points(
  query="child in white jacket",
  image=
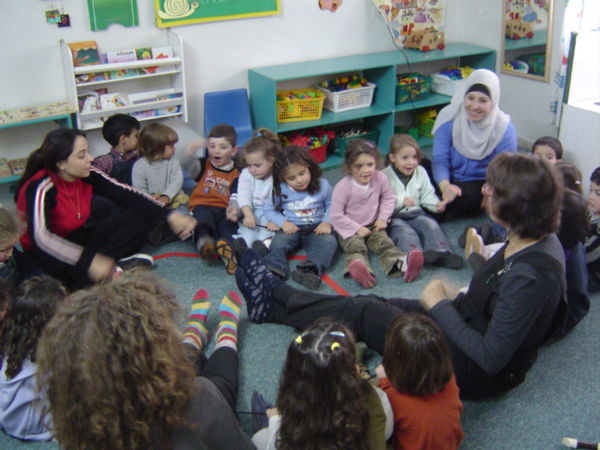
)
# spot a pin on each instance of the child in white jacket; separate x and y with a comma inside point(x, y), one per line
point(411, 228)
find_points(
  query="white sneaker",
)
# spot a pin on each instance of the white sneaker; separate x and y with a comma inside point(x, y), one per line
point(137, 260)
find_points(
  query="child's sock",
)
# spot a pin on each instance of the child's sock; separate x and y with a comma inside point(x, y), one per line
point(361, 273)
point(196, 332)
point(229, 313)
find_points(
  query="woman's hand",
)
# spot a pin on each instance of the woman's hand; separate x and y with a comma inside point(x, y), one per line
point(101, 268)
point(182, 225)
point(434, 292)
point(408, 202)
point(380, 372)
point(450, 192)
point(323, 228)
point(380, 225)
point(363, 232)
point(440, 207)
point(289, 228)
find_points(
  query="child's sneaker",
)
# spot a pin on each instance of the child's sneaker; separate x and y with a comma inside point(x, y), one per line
point(206, 247)
point(225, 251)
point(260, 248)
point(411, 265)
point(137, 260)
point(239, 247)
point(307, 279)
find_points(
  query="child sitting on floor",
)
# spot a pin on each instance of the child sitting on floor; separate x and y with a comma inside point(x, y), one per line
point(300, 207)
point(416, 373)
point(255, 186)
point(159, 174)
point(121, 132)
point(15, 266)
point(363, 202)
point(592, 242)
point(549, 148)
point(23, 409)
point(323, 402)
point(411, 228)
point(217, 179)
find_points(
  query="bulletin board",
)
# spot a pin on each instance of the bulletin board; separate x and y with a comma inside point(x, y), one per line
point(171, 13)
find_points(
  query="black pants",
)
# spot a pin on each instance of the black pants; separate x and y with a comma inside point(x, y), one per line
point(213, 222)
point(368, 316)
point(221, 368)
point(469, 202)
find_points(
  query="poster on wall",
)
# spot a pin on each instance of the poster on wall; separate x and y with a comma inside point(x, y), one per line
point(171, 13)
point(103, 13)
point(414, 23)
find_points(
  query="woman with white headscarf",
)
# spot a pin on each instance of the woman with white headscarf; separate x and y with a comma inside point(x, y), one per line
point(468, 134)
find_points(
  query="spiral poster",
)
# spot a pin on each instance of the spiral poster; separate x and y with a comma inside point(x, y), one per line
point(170, 13)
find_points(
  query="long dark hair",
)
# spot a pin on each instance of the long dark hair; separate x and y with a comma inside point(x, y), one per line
point(295, 155)
point(31, 309)
point(322, 399)
point(56, 147)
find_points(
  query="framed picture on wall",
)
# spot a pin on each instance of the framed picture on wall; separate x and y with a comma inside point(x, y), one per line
point(171, 13)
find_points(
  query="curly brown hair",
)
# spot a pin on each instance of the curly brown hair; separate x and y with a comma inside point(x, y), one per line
point(30, 310)
point(114, 366)
point(322, 399)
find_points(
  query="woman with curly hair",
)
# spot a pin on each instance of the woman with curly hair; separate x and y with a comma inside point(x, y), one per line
point(323, 403)
point(23, 410)
point(119, 377)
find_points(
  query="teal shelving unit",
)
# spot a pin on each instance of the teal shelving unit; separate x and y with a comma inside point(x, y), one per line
point(62, 120)
point(379, 68)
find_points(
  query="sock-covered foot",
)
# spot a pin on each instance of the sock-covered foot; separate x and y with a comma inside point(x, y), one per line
point(229, 314)
point(225, 251)
point(361, 273)
point(259, 303)
point(256, 271)
point(411, 266)
point(196, 331)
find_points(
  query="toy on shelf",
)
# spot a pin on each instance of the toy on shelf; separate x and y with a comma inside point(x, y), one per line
point(345, 134)
point(315, 140)
point(346, 93)
point(301, 104)
point(449, 79)
point(412, 86)
point(425, 121)
point(517, 66)
point(536, 63)
point(425, 40)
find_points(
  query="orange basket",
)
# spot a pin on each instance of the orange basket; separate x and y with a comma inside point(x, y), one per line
point(292, 109)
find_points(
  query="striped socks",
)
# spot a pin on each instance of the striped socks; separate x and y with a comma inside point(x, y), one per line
point(196, 332)
point(229, 314)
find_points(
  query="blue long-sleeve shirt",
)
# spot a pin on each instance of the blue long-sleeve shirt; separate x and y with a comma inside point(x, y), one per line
point(449, 164)
point(300, 208)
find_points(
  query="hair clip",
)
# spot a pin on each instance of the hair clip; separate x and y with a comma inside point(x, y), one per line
point(298, 340)
point(337, 333)
point(370, 144)
point(335, 345)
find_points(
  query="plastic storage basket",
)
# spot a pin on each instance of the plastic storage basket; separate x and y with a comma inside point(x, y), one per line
point(340, 144)
point(418, 88)
point(354, 98)
point(292, 109)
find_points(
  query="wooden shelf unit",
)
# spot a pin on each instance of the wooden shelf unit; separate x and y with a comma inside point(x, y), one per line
point(379, 68)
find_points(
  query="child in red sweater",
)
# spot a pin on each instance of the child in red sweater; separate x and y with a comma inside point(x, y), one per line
point(417, 376)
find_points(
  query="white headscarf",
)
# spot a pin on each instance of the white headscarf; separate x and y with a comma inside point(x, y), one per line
point(475, 140)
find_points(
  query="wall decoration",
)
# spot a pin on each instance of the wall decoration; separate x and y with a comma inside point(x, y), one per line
point(410, 20)
point(331, 5)
point(103, 13)
point(171, 13)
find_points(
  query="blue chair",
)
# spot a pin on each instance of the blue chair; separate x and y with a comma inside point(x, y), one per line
point(230, 107)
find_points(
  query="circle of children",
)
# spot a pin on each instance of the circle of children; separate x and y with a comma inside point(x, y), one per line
point(91, 353)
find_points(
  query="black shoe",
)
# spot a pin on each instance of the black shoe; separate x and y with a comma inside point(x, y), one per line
point(239, 247)
point(259, 411)
point(137, 260)
point(161, 234)
point(309, 280)
point(450, 260)
point(260, 248)
point(430, 257)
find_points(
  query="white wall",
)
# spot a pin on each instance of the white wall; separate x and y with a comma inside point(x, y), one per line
point(219, 53)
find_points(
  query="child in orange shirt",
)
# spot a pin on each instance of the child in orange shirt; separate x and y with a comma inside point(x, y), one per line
point(417, 376)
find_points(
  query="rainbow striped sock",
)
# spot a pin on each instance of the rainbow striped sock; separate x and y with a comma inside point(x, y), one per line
point(229, 313)
point(196, 332)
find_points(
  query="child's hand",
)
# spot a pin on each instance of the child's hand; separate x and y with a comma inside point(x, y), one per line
point(249, 221)
point(182, 224)
point(363, 232)
point(272, 412)
point(408, 202)
point(380, 225)
point(232, 213)
point(323, 228)
point(195, 145)
point(289, 228)
point(380, 372)
point(440, 207)
point(272, 226)
point(164, 199)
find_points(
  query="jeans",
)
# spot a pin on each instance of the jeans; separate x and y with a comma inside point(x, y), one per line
point(320, 249)
point(417, 231)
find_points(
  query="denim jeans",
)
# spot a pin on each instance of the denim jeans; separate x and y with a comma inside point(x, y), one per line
point(415, 230)
point(320, 250)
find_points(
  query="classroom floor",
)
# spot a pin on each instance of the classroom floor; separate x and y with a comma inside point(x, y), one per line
point(558, 399)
